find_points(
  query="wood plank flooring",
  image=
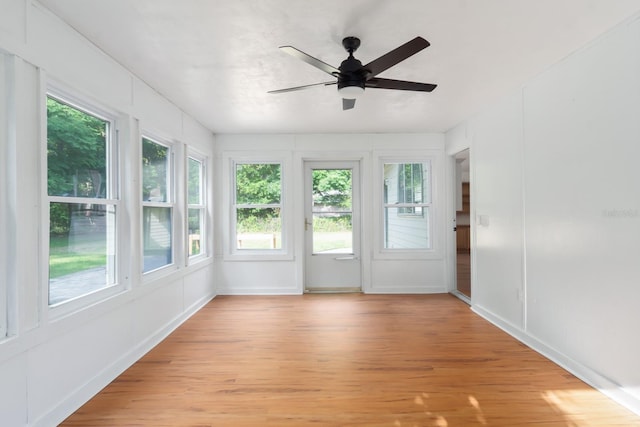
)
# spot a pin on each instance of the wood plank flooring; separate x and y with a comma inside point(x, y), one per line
point(463, 273)
point(345, 360)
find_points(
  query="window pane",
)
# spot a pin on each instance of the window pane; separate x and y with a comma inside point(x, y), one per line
point(258, 228)
point(332, 233)
point(332, 190)
point(195, 227)
point(76, 152)
point(257, 184)
point(81, 249)
point(194, 183)
point(155, 169)
point(406, 183)
point(402, 231)
point(157, 237)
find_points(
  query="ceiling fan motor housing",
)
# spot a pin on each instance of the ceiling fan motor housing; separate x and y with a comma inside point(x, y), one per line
point(351, 70)
point(351, 73)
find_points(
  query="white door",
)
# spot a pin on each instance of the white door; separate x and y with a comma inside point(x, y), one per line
point(332, 226)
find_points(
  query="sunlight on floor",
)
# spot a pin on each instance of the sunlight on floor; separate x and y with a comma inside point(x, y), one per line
point(479, 415)
point(438, 420)
point(580, 406)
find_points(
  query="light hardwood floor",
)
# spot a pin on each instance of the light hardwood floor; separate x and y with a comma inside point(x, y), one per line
point(463, 273)
point(345, 360)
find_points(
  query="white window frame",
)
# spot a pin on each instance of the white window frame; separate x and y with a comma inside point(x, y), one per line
point(202, 207)
point(170, 203)
point(85, 104)
point(231, 252)
point(380, 251)
point(4, 197)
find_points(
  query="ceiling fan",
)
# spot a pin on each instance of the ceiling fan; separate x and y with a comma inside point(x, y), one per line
point(353, 77)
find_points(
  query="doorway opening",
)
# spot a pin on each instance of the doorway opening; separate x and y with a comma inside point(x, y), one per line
point(463, 226)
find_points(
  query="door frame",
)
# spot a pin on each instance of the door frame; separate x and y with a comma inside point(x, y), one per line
point(307, 163)
point(453, 203)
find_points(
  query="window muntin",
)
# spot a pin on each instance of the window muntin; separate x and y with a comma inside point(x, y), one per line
point(257, 206)
point(196, 208)
point(407, 201)
point(81, 192)
point(157, 205)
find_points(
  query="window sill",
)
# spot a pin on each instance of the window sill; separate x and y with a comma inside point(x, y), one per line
point(407, 254)
point(200, 261)
point(258, 256)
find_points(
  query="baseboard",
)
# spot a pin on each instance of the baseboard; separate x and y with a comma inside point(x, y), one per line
point(456, 293)
point(381, 289)
point(82, 395)
point(605, 386)
point(258, 291)
point(336, 290)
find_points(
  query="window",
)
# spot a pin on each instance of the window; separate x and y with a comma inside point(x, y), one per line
point(82, 198)
point(157, 205)
point(257, 206)
point(196, 208)
point(407, 199)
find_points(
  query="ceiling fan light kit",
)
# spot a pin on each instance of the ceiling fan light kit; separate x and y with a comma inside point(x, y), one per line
point(353, 77)
point(350, 92)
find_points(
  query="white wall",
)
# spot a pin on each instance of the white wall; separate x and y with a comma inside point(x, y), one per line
point(51, 365)
point(555, 173)
point(425, 273)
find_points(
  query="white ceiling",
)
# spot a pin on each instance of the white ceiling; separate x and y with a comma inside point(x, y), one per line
point(216, 59)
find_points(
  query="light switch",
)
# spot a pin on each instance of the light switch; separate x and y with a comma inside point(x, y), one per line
point(483, 220)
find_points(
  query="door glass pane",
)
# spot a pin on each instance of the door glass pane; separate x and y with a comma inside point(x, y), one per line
point(332, 211)
point(332, 233)
point(81, 249)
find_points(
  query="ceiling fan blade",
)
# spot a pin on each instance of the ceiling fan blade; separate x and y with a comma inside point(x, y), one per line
point(348, 104)
point(397, 55)
point(296, 53)
point(399, 85)
point(291, 89)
